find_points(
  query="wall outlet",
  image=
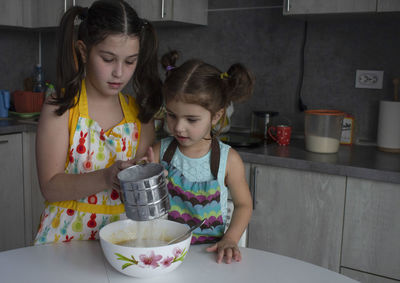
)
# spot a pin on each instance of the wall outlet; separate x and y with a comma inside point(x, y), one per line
point(369, 79)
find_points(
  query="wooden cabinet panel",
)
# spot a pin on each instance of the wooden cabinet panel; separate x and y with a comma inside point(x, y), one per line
point(11, 193)
point(298, 214)
point(33, 199)
point(299, 7)
point(183, 11)
point(11, 13)
point(365, 277)
point(372, 227)
point(47, 13)
point(388, 6)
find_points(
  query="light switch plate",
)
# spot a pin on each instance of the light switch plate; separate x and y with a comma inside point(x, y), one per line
point(369, 79)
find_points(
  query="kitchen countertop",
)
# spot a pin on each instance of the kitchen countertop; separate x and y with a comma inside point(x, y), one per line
point(83, 261)
point(11, 126)
point(357, 161)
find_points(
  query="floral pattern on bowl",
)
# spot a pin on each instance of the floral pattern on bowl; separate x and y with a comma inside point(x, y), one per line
point(153, 260)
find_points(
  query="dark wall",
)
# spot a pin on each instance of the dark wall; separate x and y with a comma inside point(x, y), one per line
point(270, 45)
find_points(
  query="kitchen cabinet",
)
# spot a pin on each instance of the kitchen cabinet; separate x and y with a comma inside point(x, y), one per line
point(172, 11)
point(21, 202)
point(371, 230)
point(33, 199)
point(11, 192)
point(298, 214)
point(47, 13)
point(365, 277)
point(388, 6)
point(11, 13)
point(301, 7)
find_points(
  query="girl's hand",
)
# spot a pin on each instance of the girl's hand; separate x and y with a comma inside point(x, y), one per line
point(226, 248)
point(112, 172)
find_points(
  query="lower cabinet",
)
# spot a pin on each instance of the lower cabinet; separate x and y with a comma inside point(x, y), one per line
point(298, 214)
point(371, 230)
point(21, 202)
point(12, 234)
point(365, 277)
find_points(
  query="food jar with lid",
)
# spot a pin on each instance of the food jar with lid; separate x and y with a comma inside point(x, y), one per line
point(322, 130)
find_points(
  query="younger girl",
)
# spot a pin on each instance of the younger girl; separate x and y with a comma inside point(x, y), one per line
point(201, 169)
point(89, 128)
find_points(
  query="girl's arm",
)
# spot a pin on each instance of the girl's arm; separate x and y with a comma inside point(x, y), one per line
point(52, 143)
point(147, 136)
point(236, 182)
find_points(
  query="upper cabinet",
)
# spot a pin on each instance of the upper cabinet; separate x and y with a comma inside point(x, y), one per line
point(177, 11)
point(303, 7)
point(48, 13)
point(11, 13)
point(315, 7)
point(388, 5)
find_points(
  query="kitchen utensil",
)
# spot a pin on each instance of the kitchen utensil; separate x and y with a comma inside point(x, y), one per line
point(281, 134)
point(144, 191)
point(187, 233)
point(241, 140)
point(260, 122)
point(139, 248)
point(323, 129)
point(4, 103)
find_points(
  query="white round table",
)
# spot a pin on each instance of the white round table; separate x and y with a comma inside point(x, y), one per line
point(83, 261)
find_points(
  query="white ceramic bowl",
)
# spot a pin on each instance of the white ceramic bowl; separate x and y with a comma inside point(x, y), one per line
point(144, 259)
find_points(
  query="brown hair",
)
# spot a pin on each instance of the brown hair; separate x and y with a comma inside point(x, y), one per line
point(200, 83)
point(105, 18)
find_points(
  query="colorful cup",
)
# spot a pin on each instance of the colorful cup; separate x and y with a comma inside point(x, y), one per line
point(281, 134)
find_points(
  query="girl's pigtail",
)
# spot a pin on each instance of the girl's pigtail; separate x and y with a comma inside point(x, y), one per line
point(147, 83)
point(168, 61)
point(70, 69)
point(239, 83)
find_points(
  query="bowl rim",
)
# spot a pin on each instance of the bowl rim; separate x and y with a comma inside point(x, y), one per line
point(102, 238)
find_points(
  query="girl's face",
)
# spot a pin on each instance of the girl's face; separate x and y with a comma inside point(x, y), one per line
point(189, 123)
point(110, 64)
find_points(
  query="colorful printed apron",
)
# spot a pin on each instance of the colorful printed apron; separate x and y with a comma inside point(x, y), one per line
point(91, 148)
point(191, 202)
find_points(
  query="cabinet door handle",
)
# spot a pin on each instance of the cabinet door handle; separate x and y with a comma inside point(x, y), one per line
point(4, 142)
point(288, 6)
point(254, 186)
point(162, 8)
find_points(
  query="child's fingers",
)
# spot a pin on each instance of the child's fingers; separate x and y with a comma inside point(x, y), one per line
point(237, 255)
point(150, 154)
point(212, 248)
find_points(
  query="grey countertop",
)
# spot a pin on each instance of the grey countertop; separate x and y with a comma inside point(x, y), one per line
point(354, 161)
point(10, 126)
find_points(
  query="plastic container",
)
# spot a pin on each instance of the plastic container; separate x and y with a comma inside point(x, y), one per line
point(323, 129)
point(28, 101)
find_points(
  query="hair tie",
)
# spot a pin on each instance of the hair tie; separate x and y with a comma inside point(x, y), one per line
point(224, 75)
point(169, 68)
point(144, 23)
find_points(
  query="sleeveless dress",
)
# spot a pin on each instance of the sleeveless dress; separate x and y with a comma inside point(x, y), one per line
point(91, 148)
point(197, 189)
